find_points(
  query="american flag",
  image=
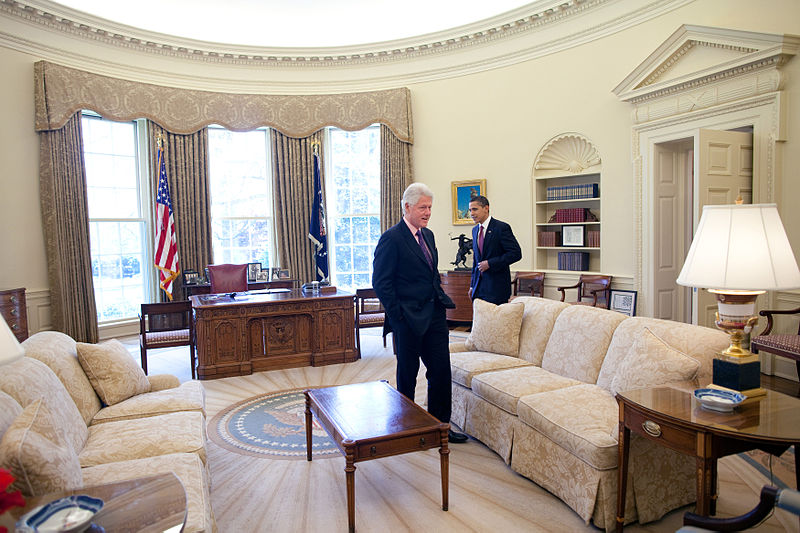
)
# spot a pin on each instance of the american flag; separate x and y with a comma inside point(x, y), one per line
point(318, 232)
point(166, 247)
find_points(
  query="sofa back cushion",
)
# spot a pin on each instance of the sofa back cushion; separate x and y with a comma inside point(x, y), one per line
point(112, 371)
point(537, 325)
point(9, 410)
point(579, 342)
point(697, 342)
point(27, 379)
point(58, 351)
point(495, 328)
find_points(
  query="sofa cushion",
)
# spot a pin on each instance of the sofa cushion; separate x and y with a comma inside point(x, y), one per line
point(579, 342)
point(651, 361)
point(27, 379)
point(465, 365)
point(537, 324)
point(58, 351)
point(145, 437)
point(112, 371)
point(580, 419)
point(189, 396)
point(37, 454)
point(9, 411)
point(505, 387)
point(495, 328)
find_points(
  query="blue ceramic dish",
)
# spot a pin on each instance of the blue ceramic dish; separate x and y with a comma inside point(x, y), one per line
point(719, 400)
point(66, 515)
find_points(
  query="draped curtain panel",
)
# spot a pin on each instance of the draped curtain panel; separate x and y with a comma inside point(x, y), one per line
point(293, 185)
point(396, 175)
point(61, 91)
point(65, 219)
point(186, 161)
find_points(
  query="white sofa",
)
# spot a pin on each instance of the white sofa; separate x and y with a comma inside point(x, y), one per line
point(536, 380)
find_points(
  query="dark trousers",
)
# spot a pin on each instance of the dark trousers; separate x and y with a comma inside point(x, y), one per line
point(432, 347)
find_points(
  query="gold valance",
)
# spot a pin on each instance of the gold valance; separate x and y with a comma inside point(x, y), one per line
point(62, 91)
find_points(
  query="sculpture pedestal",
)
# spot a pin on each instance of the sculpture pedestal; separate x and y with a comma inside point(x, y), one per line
point(455, 284)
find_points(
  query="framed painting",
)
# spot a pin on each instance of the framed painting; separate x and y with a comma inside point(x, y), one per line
point(572, 236)
point(463, 191)
point(623, 302)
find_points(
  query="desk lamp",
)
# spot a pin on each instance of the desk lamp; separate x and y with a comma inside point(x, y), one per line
point(738, 252)
point(10, 348)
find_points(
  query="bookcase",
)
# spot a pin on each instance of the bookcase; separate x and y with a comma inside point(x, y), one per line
point(567, 206)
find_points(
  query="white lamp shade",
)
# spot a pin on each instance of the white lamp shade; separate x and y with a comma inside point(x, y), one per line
point(10, 348)
point(740, 247)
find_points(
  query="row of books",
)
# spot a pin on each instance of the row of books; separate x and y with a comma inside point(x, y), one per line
point(573, 192)
point(549, 238)
point(593, 238)
point(577, 214)
point(573, 260)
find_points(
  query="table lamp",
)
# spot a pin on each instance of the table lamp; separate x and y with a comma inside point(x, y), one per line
point(738, 252)
point(10, 348)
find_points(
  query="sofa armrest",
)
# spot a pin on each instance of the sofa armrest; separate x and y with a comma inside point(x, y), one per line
point(460, 346)
point(163, 382)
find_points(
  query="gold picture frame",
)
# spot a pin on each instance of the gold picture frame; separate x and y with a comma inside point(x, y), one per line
point(462, 191)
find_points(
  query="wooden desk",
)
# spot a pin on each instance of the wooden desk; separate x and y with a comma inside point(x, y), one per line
point(675, 419)
point(370, 421)
point(147, 504)
point(455, 284)
point(255, 331)
point(205, 288)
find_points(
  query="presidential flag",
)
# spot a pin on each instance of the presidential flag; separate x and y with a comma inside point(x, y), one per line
point(166, 247)
point(318, 232)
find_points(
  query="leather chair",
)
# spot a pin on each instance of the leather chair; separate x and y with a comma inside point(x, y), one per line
point(785, 345)
point(525, 283)
point(227, 278)
point(166, 324)
point(593, 289)
point(369, 313)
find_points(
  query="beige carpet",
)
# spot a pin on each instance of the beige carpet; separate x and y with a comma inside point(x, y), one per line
point(402, 493)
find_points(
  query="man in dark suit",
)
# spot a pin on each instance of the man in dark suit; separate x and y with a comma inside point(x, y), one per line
point(406, 280)
point(494, 248)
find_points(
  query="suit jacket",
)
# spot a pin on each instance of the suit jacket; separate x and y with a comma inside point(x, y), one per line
point(500, 248)
point(403, 281)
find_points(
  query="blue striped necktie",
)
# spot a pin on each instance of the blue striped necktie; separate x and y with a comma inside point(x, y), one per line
point(425, 250)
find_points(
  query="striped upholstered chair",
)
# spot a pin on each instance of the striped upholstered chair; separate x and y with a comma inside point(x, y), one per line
point(166, 324)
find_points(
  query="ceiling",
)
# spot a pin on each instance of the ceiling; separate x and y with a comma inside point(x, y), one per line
point(296, 23)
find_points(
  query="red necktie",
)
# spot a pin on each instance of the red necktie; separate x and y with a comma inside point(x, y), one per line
point(480, 240)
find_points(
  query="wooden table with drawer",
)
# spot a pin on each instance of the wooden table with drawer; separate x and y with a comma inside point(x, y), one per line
point(15, 311)
point(673, 418)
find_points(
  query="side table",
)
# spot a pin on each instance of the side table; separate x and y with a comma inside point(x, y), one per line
point(673, 418)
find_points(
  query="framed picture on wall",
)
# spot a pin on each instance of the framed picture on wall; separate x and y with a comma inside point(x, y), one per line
point(572, 235)
point(623, 302)
point(462, 192)
point(253, 270)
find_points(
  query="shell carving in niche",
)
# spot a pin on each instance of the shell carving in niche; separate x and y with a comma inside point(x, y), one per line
point(570, 152)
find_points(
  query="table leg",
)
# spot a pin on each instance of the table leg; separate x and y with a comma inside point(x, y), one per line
point(444, 453)
point(349, 470)
point(712, 504)
point(622, 469)
point(796, 450)
point(308, 427)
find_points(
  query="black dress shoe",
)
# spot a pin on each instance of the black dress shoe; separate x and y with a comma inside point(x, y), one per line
point(458, 438)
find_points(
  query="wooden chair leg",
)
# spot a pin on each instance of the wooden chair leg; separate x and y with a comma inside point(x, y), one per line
point(144, 358)
point(193, 359)
point(358, 341)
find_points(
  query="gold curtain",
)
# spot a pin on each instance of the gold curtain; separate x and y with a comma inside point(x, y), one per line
point(293, 185)
point(186, 160)
point(396, 175)
point(65, 219)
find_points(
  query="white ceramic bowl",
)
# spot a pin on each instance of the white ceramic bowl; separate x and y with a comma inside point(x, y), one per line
point(719, 400)
point(72, 514)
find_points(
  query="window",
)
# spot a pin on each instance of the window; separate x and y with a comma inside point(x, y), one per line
point(241, 197)
point(117, 225)
point(353, 198)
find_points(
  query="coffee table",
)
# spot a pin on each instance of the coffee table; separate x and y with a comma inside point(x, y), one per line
point(672, 417)
point(373, 420)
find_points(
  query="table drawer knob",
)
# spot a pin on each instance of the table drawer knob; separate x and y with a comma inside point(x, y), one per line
point(13, 299)
point(422, 441)
point(373, 450)
point(651, 428)
point(13, 312)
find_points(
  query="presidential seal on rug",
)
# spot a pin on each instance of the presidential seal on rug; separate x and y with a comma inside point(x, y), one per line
point(270, 426)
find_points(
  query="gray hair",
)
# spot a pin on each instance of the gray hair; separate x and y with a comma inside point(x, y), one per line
point(413, 193)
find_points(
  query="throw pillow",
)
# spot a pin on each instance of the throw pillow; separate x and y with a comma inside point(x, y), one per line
point(37, 454)
point(495, 328)
point(112, 371)
point(650, 362)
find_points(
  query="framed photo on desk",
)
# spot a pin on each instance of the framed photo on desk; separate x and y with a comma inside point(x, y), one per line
point(252, 271)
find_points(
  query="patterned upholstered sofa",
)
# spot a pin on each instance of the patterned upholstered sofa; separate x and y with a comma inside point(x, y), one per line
point(64, 427)
point(536, 380)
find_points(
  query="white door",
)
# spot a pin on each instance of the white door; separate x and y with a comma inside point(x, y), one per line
point(724, 171)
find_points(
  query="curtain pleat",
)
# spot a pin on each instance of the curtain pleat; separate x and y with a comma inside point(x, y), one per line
point(186, 160)
point(293, 186)
point(65, 221)
point(396, 175)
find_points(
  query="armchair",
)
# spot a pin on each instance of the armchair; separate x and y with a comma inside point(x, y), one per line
point(525, 283)
point(227, 278)
point(785, 345)
point(166, 324)
point(369, 313)
point(593, 289)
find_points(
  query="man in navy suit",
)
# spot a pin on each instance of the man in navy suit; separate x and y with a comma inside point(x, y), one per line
point(494, 248)
point(406, 280)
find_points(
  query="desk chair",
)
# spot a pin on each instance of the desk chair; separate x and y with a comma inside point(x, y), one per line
point(785, 345)
point(166, 324)
point(525, 283)
point(369, 313)
point(593, 290)
point(227, 278)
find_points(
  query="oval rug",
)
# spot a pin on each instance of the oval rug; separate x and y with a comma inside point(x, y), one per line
point(270, 426)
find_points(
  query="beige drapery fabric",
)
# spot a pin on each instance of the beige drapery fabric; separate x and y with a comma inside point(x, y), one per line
point(396, 175)
point(65, 220)
point(293, 184)
point(186, 160)
point(62, 91)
